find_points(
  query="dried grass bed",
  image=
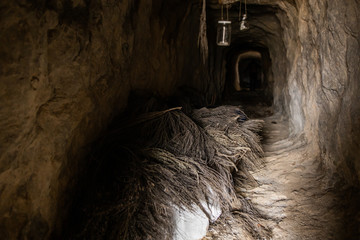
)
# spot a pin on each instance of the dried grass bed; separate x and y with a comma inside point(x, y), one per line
point(155, 160)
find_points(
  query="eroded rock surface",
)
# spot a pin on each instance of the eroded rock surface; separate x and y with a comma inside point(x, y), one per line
point(66, 68)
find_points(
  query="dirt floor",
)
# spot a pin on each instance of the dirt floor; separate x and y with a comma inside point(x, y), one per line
point(294, 198)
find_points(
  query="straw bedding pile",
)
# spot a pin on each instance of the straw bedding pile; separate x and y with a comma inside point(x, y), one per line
point(156, 160)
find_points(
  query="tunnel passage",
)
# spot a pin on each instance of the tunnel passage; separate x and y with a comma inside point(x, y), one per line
point(253, 68)
point(67, 67)
point(249, 77)
point(260, 49)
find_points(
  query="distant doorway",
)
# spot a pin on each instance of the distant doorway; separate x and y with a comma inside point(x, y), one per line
point(249, 72)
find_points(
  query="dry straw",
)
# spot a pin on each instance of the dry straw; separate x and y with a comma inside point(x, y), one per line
point(157, 160)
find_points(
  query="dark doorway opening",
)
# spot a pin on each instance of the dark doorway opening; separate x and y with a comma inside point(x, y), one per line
point(250, 74)
point(249, 79)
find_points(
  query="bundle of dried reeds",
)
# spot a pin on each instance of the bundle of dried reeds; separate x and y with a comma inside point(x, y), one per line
point(162, 159)
point(231, 128)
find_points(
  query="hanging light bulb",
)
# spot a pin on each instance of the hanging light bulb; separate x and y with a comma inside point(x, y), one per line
point(244, 25)
point(223, 37)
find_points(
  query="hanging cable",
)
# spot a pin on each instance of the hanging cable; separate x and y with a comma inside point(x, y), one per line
point(222, 12)
point(202, 38)
point(245, 9)
point(240, 11)
point(227, 12)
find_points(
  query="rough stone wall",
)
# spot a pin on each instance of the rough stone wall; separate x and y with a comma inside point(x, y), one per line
point(66, 68)
point(339, 48)
point(322, 42)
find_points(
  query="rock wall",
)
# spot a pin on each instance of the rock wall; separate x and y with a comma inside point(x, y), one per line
point(66, 68)
point(322, 42)
point(340, 86)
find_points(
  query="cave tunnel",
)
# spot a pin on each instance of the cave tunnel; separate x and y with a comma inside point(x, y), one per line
point(249, 72)
point(125, 120)
point(248, 77)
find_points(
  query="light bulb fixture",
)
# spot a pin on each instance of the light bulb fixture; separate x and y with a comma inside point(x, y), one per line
point(244, 25)
point(223, 34)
